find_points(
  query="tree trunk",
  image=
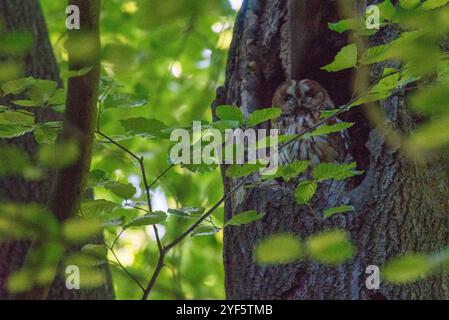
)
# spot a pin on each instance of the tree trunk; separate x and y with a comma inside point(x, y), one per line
point(40, 63)
point(400, 206)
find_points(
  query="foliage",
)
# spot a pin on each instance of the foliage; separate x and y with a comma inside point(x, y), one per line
point(151, 211)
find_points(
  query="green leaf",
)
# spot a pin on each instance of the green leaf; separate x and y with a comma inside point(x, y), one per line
point(429, 136)
point(305, 191)
point(200, 168)
point(408, 268)
point(289, 171)
point(124, 100)
point(346, 24)
point(342, 209)
point(81, 229)
point(244, 218)
point(9, 131)
point(115, 222)
point(433, 4)
point(47, 133)
point(143, 127)
point(279, 249)
point(188, 213)
point(203, 231)
point(230, 113)
point(376, 54)
point(23, 118)
point(17, 86)
point(325, 171)
point(58, 98)
point(96, 208)
point(91, 277)
point(223, 125)
point(236, 170)
point(328, 113)
point(27, 103)
point(387, 10)
point(98, 251)
point(79, 73)
point(20, 281)
point(409, 4)
point(42, 91)
point(25, 221)
point(13, 161)
point(345, 59)
point(124, 191)
point(330, 128)
point(147, 220)
point(263, 115)
point(330, 247)
point(432, 100)
point(59, 155)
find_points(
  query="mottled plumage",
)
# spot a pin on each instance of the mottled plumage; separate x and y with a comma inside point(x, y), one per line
point(302, 103)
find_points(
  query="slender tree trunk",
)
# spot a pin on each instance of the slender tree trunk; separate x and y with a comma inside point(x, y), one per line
point(400, 206)
point(39, 62)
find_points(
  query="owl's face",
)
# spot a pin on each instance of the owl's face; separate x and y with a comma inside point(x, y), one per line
point(294, 96)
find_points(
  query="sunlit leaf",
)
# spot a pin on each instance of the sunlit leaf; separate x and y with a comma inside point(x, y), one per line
point(289, 171)
point(188, 213)
point(305, 191)
point(81, 229)
point(204, 231)
point(345, 59)
point(346, 24)
point(124, 100)
point(20, 281)
point(407, 268)
point(330, 247)
point(13, 161)
point(95, 250)
point(429, 136)
point(25, 221)
point(279, 249)
point(387, 10)
point(409, 4)
point(335, 171)
point(148, 219)
point(98, 207)
point(263, 115)
point(433, 4)
point(330, 128)
point(149, 128)
point(244, 218)
point(244, 170)
point(125, 191)
point(230, 113)
point(91, 277)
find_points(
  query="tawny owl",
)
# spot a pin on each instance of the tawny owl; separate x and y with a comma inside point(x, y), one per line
point(302, 103)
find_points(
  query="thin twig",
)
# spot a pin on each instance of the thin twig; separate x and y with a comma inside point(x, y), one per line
point(124, 269)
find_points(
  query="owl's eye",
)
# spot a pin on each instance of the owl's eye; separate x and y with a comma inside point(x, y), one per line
point(289, 97)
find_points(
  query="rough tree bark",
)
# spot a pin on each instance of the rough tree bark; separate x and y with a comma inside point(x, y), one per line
point(400, 206)
point(39, 62)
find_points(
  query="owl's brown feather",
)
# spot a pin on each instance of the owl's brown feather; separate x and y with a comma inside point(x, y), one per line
point(302, 103)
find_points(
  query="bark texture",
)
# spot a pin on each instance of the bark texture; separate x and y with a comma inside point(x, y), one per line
point(400, 206)
point(39, 62)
